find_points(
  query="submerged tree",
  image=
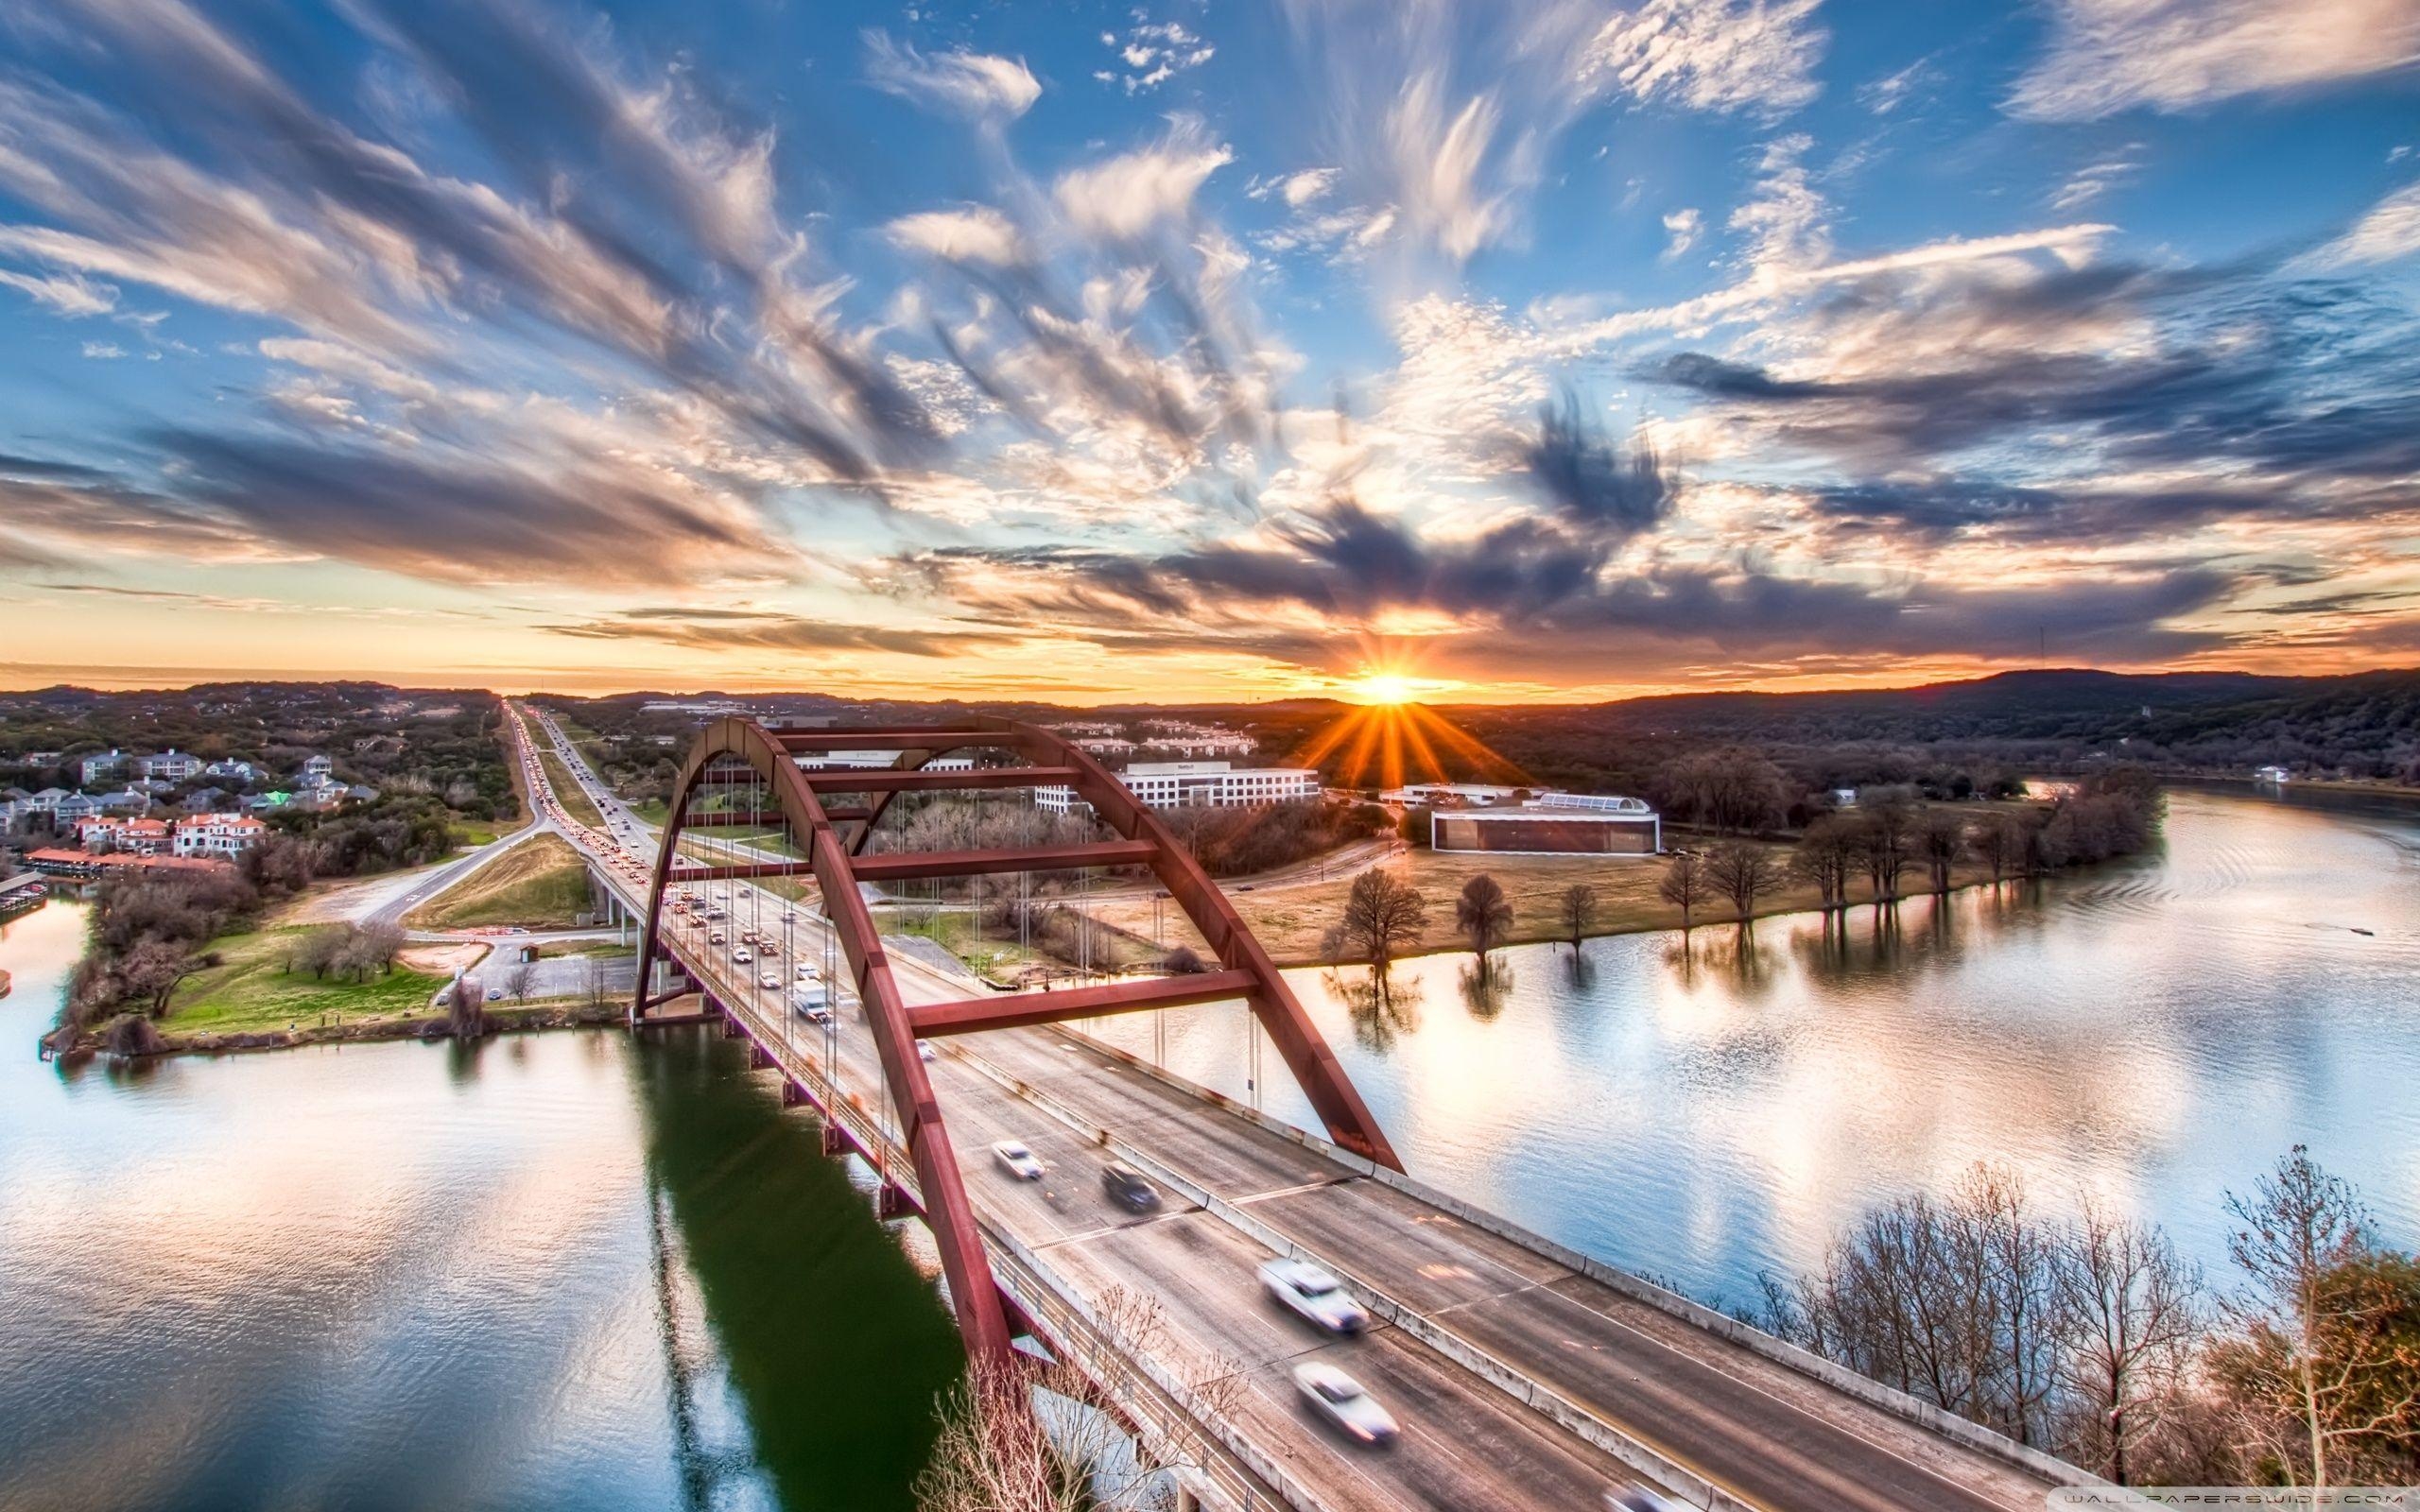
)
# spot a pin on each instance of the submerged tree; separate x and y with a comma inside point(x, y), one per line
point(1742, 871)
point(1483, 914)
point(1827, 856)
point(1383, 915)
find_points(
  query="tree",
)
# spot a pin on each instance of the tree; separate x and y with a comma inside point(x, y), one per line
point(1883, 834)
point(1999, 842)
point(2134, 1312)
point(1827, 855)
point(1941, 839)
point(1483, 914)
point(518, 978)
point(1683, 885)
point(1742, 871)
point(1383, 913)
point(2324, 1362)
point(1578, 910)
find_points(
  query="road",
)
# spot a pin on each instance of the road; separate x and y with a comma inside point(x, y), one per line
point(1769, 1437)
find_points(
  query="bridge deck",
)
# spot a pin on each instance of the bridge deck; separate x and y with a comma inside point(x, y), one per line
point(1768, 1436)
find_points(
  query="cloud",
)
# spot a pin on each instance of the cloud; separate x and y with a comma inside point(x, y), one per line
point(725, 630)
point(1151, 54)
point(103, 351)
point(976, 234)
point(1591, 483)
point(2107, 56)
point(1711, 55)
point(1682, 227)
point(68, 294)
point(974, 85)
point(1131, 193)
point(2095, 178)
point(2390, 230)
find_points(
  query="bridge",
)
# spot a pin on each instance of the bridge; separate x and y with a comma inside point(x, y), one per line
point(1525, 1374)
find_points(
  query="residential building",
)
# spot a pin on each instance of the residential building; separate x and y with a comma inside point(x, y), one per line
point(223, 836)
point(243, 774)
point(48, 799)
point(41, 758)
point(100, 767)
point(76, 806)
point(141, 837)
point(125, 800)
point(2272, 775)
point(1553, 824)
point(317, 769)
point(170, 766)
point(202, 800)
point(1214, 784)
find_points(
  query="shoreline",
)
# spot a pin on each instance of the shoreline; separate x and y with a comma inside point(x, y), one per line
point(538, 1018)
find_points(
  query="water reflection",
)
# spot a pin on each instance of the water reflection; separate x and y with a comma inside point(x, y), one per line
point(563, 1271)
point(1710, 1106)
point(1486, 986)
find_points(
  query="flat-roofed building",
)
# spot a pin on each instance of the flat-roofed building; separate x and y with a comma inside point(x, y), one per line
point(1207, 784)
point(1455, 795)
point(1555, 824)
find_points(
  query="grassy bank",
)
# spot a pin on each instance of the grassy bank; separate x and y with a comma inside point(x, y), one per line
point(540, 884)
point(252, 990)
point(573, 797)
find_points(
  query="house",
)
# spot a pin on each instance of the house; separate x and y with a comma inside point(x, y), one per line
point(321, 767)
point(48, 799)
point(41, 758)
point(12, 814)
point(141, 837)
point(203, 800)
point(97, 833)
point(73, 807)
point(1844, 798)
point(125, 800)
point(2272, 775)
point(269, 802)
point(170, 766)
point(223, 836)
point(231, 770)
point(53, 862)
point(101, 767)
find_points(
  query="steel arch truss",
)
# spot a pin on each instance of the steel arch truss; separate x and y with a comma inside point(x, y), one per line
point(736, 752)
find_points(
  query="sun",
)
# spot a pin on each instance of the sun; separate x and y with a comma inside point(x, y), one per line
point(1383, 687)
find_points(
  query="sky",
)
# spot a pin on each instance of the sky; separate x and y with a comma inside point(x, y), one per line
point(1189, 352)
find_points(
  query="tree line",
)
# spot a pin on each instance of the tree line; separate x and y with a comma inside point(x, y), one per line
point(2093, 1339)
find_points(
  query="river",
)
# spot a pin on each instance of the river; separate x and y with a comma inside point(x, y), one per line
point(574, 1270)
point(2156, 1034)
point(554, 1271)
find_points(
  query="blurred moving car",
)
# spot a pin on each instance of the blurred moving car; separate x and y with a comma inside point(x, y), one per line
point(1313, 1292)
point(1637, 1498)
point(1127, 1188)
point(1339, 1399)
point(1017, 1161)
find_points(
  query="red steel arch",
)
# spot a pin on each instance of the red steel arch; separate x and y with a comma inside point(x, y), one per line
point(834, 837)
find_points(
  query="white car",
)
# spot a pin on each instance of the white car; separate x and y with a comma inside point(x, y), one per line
point(742, 956)
point(1636, 1497)
point(1316, 1295)
point(769, 981)
point(806, 972)
point(1017, 1161)
point(1339, 1399)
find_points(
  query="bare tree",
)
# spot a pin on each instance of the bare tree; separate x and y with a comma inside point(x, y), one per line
point(594, 983)
point(2324, 1382)
point(1683, 885)
point(1483, 914)
point(1883, 835)
point(1578, 909)
point(1827, 856)
point(1999, 842)
point(1742, 871)
point(517, 980)
point(1941, 839)
point(2134, 1312)
point(1383, 913)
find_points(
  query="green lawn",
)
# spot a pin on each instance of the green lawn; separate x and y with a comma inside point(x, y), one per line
point(540, 883)
point(480, 831)
point(251, 990)
point(654, 811)
point(568, 793)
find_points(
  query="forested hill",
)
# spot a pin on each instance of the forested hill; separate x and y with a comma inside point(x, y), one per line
point(2364, 726)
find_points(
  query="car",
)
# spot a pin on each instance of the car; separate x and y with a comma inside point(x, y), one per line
point(747, 935)
point(1128, 1187)
point(924, 1053)
point(769, 981)
point(1319, 1297)
point(806, 972)
point(496, 994)
point(1339, 1399)
point(742, 956)
point(1637, 1498)
point(1018, 1160)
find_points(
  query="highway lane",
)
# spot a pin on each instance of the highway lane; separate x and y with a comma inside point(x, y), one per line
point(1773, 1437)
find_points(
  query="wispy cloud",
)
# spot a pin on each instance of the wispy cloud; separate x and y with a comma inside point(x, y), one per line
point(2107, 56)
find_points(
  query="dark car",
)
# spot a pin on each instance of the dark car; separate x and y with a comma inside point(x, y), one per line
point(1127, 1187)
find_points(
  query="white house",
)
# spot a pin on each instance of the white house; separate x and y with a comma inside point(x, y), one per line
point(100, 767)
point(48, 799)
point(2272, 775)
point(231, 770)
point(222, 836)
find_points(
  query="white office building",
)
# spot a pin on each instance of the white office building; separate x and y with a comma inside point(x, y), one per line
point(1211, 784)
point(875, 761)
